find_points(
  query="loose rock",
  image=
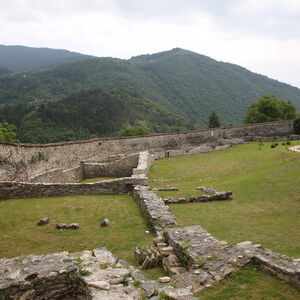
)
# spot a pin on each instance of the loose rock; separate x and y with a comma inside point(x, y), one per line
point(73, 226)
point(43, 221)
point(104, 223)
point(102, 285)
point(164, 279)
point(61, 226)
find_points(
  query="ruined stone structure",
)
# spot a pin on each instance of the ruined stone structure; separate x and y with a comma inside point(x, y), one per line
point(193, 257)
point(26, 162)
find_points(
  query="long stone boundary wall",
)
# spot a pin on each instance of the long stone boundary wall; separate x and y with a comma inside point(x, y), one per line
point(10, 189)
point(22, 161)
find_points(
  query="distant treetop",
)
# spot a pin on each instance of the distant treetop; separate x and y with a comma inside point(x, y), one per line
point(269, 108)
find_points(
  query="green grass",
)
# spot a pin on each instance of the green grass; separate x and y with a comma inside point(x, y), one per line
point(266, 192)
point(89, 180)
point(20, 235)
point(251, 284)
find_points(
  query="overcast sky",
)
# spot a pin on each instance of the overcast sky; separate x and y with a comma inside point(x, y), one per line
point(261, 35)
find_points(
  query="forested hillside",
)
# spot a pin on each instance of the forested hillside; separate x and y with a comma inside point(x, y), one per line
point(20, 58)
point(89, 114)
point(185, 82)
point(168, 91)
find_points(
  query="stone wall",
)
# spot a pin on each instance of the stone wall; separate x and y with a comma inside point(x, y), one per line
point(11, 189)
point(22, 161)
point(210, 260)
point(145, 161)
point(118, 168)
point(60, 175)
point(157, 214)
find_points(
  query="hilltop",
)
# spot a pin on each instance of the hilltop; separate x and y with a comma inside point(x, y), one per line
point(21, 58)
point(183, 83)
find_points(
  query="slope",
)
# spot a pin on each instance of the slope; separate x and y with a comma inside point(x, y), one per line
point(21, 58)
point(185, 82)
point(89, 114)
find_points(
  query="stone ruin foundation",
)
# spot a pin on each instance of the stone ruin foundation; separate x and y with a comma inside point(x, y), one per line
point(193, 257)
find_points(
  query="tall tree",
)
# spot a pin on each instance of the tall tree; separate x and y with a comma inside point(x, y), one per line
point(270, 108)
point(7, 133)
point(213, 121)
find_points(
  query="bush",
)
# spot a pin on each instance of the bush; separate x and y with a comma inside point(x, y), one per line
point(297, 126)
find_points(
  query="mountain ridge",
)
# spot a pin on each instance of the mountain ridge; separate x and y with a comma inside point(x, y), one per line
point(183, 82)
point(19, 58)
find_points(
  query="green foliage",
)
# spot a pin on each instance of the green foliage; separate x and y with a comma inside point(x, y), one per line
point(91, 114)
point(184, 82)
point(270, 108)
point(133, 131)
point(163, 296)
point(213, 121)
point(297, 126)
point(7, 133)
point(137, 283)
point(84, 272)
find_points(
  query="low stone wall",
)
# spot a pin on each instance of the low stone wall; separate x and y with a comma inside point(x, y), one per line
point(118, 168)
point(22, 161)
point(60, 175)
point(9, 190)
point(210, 260)
point(157, 214)
point(204, 198)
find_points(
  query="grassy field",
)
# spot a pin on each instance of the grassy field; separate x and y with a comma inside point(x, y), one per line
point(266, 191)
point(20, 235)
point(251, 284)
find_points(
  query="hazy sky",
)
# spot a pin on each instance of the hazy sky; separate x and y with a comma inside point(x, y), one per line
point(261, 35)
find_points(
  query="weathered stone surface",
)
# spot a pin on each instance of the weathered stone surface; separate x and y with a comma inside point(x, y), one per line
point(222, 147)
point(178, 294)
point(164, 279)
point(104, 223)
point(201, 149)
point(102, 285)
point(199, 250)
point(9, 190)
point(166, 251)
point(166, 189)
point(104, 257)
point(43, 221)
point(57, 276)
point(150, 286)
point(61, 226)
point(158, 239)
point(156, 212)
point(73, 226)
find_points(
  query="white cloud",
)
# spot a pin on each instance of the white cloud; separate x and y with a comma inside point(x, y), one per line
point(262, 35)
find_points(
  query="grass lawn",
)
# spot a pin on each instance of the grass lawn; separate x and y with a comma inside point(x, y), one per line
point(251, 284)
point(20, 235)
point(266, 192)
